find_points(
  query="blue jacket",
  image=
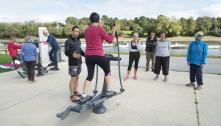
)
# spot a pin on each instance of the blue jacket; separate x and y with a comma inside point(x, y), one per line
point(29, 52)
point(197, 52)
point(53, 42)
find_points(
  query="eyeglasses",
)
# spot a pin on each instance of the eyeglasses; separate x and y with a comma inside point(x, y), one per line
point(200, 36)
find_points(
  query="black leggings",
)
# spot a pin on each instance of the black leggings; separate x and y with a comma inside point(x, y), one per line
point(133, 56)
point(101, 61)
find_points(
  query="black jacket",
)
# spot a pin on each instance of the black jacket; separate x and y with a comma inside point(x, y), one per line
point(73, 45)
point(151, 44)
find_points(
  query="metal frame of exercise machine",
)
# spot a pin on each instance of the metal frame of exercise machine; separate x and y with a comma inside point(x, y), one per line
point(96, 103)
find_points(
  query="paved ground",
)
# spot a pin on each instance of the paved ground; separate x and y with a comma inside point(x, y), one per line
point(145, 102)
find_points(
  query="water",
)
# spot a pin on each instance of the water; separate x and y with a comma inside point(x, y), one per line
point(211, 52)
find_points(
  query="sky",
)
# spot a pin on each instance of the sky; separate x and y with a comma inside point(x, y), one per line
point(58, 10)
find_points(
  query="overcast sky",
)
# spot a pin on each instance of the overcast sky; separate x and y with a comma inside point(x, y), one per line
point(58, 10)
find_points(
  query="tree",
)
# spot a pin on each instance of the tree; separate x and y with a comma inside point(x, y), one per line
point(72, 20)
point(204, 24)
point(162, 23)
point(174, 28)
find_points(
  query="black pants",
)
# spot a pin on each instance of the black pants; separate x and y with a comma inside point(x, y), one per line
point(101, 61)
point(15, 58)
point(30, 65)
point(53, 56)
point(196, 74)
point(133, 56)
point(162, 62)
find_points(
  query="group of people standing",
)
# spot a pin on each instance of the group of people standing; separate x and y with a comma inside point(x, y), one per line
point(157, 51)
point(29, 53)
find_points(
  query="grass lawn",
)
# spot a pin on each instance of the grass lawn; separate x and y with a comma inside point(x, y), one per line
point(4, 58)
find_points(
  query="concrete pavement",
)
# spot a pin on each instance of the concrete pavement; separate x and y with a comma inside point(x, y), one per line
point(145, 102)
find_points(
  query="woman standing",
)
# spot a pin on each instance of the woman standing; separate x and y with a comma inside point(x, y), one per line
point(29, 56)
point(134, 55)
point(94, 54)
point(196, 59)
point(162, 57)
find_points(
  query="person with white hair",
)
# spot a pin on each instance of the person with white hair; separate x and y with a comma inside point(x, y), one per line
point(134, 55)
point(54, 49)
point(196, 59)
point(29, 56)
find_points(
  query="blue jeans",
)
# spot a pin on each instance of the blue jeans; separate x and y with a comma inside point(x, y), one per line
point(53, 56)
point(196, 74)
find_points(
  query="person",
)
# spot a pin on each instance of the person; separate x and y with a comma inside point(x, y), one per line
point(134, 55)
point(163, 48)
point(73, 51)
point(94, 54)
point(39, 65)
point(196, 59)
point(54, 49)
point(13, 50)
point(150, 51)
point(29, 56)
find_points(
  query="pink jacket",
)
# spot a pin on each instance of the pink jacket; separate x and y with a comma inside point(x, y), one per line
point(94, 36)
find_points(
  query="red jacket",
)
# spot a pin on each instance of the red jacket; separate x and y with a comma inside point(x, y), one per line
point(13, 48)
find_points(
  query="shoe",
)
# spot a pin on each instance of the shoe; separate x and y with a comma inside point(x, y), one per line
point(40, 74)
point(156, 78)
point(199, 87)
point(146, 70)
point(165, 79)
point(54, 68)
point(152, 70)
point(51, 64)
point(190, 84)
point(109, 93)
point(135, 77)
point(32, 82)
point(84, 99)
point(126, 78)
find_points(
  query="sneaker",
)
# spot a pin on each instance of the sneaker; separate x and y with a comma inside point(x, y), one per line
point(54, 68)
point(126, 78)
point(190, 84)
point(40, 74)
point(32, 82)
point(199, 87)
point(84, 99)
point(156, 78)
point(51, 64)
point(165, 79)
point(135, 77)
point(109, 93)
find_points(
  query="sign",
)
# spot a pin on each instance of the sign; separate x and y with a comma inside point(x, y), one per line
point(43, 46)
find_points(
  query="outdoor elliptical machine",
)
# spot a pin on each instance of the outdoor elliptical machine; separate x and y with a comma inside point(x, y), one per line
point(96, 103)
